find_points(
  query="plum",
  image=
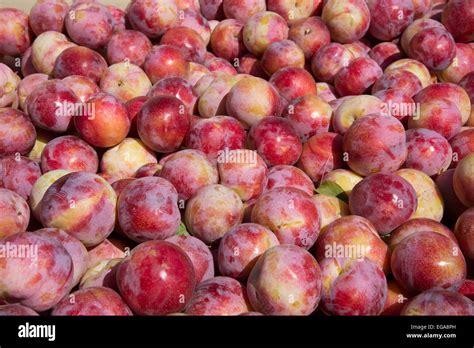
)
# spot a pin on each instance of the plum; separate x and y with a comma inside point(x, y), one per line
point(276, 141)
point(78, 252)
point(126, 158)
point(15, 213)
point(215, 134)
point(241, 247)
point(79, 60)
point(157, 278)
point(128, 45)
point(289, 176)
point(352, 287)
point(15, 35)
point(385, 199)
point(105, 122)
point(189, 170)
point(347, 20)
point(290, 213)
point(352, 237)
point(427, 260)
point(439, 302)
point(17, 133)
point(375, 143)
point(97, 301)
point(39, 273)
point(428, 151)
point(244, 171)
point(125, 81)
point(82, 204)
point(321, 154)
point(199, 253)
point(147, 209)
point(263, 28)
point(69, 153)
point(252, 99)
point(89, 24)
point(218, 296)
point(212, 211)
point(19, 174)
point(286, 280)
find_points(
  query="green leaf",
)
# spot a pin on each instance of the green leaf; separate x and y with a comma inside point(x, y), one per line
point(329, 188)
point(182, 231)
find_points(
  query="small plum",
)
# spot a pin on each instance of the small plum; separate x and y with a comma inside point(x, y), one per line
point(79, 60)
point(214, 135)
point(282, 54)
point(252, 99)
point(289, 176)
point(41, 277)
point(463, 180)
point(434, 47)
point(241, 247)
point(276, 141)
point(18, 174)
point(97, 301)
point(428, 151)
point(357, 77)
point(428, 260)
point(390, 17)
point(105, 122)
point(439, 302)
point(212, 211)
point(148, 209)
point(189, 170)
point(82, 204)
point(45, 50)
point(15, 35)
point(69, 153)
point(310, 34)
point(386, 200)
point(17, 133)
point(244, 171)
point(262, 29)
point(290, 213)
point(375, 143)
point(321, 154)
point(347, 20)
point(128, 45)
point(352, 287)
point(293, 82)
point(89, 24)
point(199, 253)
point(157, 278)
point(329, 60)
point(162, 123)
point(125, 81)
point(218, 296)
point(52, 105)
point(15, 213)
point(286, 280)
point(46, 15)
point(126, 158)
point(165, 61)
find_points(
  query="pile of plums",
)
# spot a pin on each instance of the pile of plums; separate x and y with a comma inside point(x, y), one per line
point(237, 157)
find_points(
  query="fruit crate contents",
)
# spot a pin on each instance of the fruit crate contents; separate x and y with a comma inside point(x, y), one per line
point(237, 157)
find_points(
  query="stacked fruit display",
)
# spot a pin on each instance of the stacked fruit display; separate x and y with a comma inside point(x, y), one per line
point(237, 157)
